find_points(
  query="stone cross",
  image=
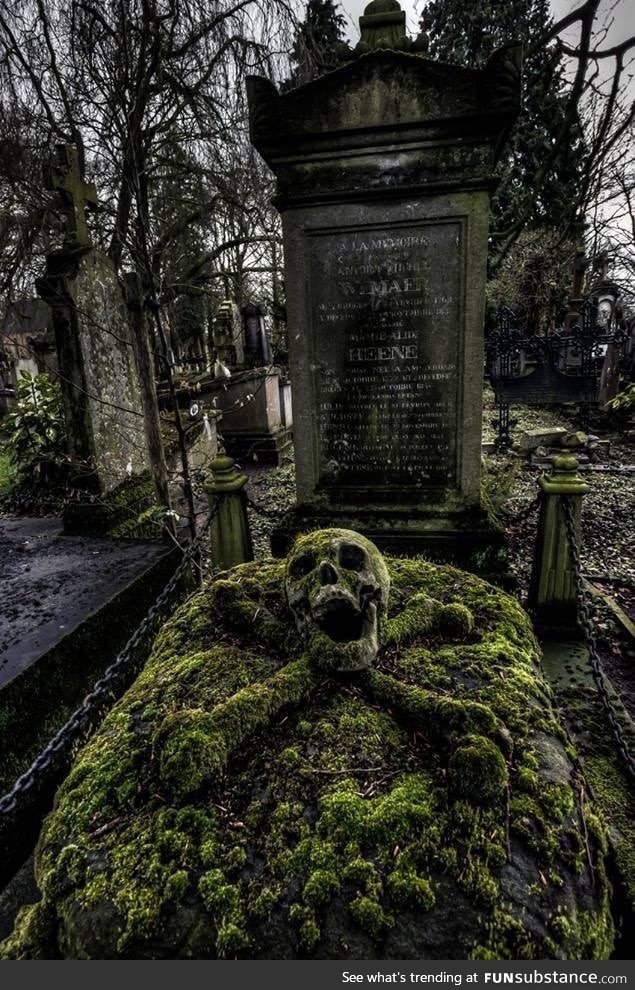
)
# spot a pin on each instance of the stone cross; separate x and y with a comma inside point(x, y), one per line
point(63, 175)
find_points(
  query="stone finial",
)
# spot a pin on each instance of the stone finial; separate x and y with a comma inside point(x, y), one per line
point(63, 176)
point(383, 25)
point(564, 478)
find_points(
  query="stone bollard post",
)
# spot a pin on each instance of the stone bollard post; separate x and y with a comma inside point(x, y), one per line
point(230, 535)
point(552, 596)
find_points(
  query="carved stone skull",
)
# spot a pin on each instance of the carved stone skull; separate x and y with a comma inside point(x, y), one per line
point(337, 587)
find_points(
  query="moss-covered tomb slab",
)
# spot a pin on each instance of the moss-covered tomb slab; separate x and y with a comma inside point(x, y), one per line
point(240, 802)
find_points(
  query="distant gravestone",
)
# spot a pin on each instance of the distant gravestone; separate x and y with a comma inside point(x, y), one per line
point(257, 348)
point(247, 391)
point(98, 376)
point(227, 333)
point(384, 171)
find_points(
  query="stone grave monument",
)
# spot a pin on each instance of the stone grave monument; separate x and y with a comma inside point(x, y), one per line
point(253, 427)
point(257, 348)
point(250, 393)
point(98, 376)
point(227, 335)
point(298, 773)
point(384, 171)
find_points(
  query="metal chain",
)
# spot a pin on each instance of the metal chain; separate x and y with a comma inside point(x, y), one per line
point(72, 726)
point(584, 615)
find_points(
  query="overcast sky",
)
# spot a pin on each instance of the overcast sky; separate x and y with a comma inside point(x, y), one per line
point(623, 26)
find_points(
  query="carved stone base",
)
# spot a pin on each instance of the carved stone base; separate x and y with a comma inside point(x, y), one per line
point(465, 539)
point(265, 448)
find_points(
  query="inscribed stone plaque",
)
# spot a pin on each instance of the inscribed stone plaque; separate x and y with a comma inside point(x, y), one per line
point(387, 318)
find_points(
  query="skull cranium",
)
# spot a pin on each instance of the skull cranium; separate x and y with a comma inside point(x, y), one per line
point(337, 587)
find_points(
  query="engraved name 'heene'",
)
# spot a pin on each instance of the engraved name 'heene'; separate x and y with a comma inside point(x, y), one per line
point(386, 353)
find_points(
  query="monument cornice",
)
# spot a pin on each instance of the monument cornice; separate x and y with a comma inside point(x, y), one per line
point(385, 92)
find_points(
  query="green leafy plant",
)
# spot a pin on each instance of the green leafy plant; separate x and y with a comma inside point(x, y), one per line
point(35, 429)
point(624, 402)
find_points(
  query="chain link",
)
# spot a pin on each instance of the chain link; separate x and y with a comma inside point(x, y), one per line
point(584, 614)
point(89, 705)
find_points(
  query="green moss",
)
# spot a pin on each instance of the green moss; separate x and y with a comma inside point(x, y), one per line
point(369, 915)
point(34, 935)
point(290, 757)
point(193, 745)
point(235, 858)
point(616, 799)
point(320, 887)
point(456, 620)
point(403, 812)
point(477, 770)
point(480, 884)
point(508, 938)
point(218, 897)
point(562, 927)
point(308, 928)
point(445, 716)
point(129, 510)
point(362, 872)
point(309, 934)
point(343, 815)
point(176, 886)
point(230, 940)
point(262, 903)
point(411, 891)
point(527, 780)
point(419, 617)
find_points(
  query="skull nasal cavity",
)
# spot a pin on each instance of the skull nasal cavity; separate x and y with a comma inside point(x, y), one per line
point(327, 573)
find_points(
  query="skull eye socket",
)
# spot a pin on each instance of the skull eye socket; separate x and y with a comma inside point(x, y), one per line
point(352, 557)
point(302, 565)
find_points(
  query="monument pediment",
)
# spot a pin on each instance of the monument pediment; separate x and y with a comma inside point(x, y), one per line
point(385, 91)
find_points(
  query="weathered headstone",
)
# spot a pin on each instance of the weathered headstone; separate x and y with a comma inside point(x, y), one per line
point(257, 349)
point(98, 376)
point(384, 172)
point(606, 295)
point(227, 334)
point(253, 426)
